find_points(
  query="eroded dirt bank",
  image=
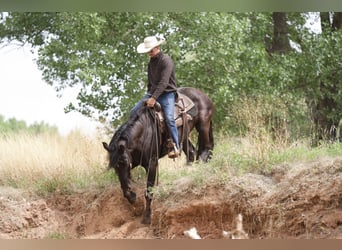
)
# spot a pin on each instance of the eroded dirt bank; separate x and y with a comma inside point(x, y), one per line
point(299, 201)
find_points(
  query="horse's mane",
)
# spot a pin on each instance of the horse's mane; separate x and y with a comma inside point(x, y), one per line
point(124, 131)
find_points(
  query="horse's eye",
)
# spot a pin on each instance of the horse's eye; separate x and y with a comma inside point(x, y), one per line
point(122, 161)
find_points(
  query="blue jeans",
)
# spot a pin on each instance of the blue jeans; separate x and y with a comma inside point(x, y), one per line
point(167, 102)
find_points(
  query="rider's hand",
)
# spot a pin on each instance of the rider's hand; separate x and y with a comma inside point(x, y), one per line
point(150, 102)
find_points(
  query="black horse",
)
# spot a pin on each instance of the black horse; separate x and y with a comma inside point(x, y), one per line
point(140, 141)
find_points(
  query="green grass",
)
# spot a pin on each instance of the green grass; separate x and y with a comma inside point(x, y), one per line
point(305, 153)
point(57, 236)
point(233, 158)
point(66, 184)
point(249, 157)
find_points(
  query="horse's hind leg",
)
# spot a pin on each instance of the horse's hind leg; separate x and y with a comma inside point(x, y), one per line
point(205, 141)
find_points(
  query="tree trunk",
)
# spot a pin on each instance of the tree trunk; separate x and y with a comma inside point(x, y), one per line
point(337, 21)
point(325, 22)
point(281, 43)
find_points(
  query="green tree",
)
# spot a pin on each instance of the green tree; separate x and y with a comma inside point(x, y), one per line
point(319, 77)
point(96, 54)
point(92, 52)
point(271, 56)
point(42, 127)
point(12, 125)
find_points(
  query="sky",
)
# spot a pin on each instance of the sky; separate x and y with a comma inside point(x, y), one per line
point(25, 96)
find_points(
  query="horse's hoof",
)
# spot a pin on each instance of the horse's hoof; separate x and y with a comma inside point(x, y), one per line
point(146, 221)
point(189, 163)
point(132, 197)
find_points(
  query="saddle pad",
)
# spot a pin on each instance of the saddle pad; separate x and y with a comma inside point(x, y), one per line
point(183, 104)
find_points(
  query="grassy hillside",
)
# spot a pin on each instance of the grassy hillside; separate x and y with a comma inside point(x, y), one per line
point(48, 163)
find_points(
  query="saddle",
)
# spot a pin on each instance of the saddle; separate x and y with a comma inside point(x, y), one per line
point(185, 110)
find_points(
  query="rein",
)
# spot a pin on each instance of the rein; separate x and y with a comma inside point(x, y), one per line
point(156, 138)
point(156, 133)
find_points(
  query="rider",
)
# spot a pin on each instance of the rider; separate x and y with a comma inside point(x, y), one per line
point(161, 85)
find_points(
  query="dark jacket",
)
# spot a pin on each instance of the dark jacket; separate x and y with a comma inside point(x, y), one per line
point(161, 75)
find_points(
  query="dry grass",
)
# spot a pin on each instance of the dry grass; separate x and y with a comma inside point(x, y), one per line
point(30, 160)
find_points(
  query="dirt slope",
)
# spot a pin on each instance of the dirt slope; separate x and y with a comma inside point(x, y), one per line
point(297, 201)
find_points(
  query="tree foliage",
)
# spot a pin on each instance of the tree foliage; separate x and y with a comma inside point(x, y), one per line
point(227, 55)
point(13, 125)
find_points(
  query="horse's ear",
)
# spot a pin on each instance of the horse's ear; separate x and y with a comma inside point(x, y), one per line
point(105, 145)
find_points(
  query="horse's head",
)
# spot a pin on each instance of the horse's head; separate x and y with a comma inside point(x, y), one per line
point(118, 157)
point(131, 146)
point(120, 160)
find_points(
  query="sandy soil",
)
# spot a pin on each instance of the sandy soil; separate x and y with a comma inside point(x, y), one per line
point(299, 201)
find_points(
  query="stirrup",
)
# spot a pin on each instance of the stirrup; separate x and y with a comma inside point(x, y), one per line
point(174, 153)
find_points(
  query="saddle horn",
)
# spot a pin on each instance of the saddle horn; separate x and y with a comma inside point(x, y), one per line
point(157, 107)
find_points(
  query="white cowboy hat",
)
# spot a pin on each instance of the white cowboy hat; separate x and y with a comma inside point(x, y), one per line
point(149, 43)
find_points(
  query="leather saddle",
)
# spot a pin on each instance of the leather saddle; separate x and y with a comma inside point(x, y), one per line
point(185, 110)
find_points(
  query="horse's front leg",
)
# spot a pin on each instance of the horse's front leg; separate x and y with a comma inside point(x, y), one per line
point(147, 214)
point(151, 177)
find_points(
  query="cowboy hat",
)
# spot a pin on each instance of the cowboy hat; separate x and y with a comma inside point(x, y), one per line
point(149, 43)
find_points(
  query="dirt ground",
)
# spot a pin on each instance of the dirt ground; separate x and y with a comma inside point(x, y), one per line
point(301, 201)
